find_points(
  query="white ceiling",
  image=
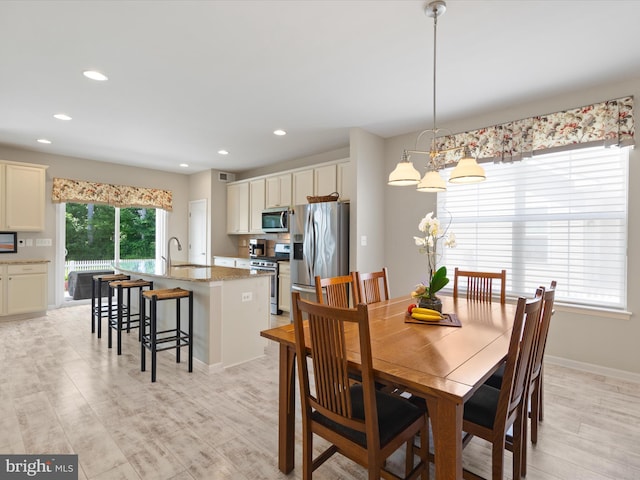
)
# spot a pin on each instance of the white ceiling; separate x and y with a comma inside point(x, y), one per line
point(188, 78)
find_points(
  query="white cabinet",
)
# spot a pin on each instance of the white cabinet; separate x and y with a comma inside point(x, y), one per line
point(302, 186)
point(232, 262)
point(324, 180)
point(284, 286)
point(318, 181)
point(256, 195)
point(23, 288)
point(224, 262)
point(238, 208)
point(22, 197)
point(345, 181)
point(278, 191)
point(244, 263)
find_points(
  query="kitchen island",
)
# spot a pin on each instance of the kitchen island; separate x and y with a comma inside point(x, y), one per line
point(231, 307)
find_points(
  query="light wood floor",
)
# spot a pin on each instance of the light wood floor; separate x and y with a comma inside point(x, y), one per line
point(63, 391)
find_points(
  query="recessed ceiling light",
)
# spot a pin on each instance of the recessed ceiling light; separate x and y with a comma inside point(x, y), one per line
point(223, 152)
point(44, 140)
point(184, 165)
point(62, 116)
point(94, 75)
point(279, 132)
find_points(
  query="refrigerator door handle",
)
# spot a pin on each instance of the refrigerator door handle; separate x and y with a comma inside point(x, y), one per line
point(309, 251)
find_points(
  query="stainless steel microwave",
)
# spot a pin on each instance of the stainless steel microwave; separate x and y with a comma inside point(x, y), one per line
point(275, 220)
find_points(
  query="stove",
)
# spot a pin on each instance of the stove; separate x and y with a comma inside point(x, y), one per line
point(270, 264)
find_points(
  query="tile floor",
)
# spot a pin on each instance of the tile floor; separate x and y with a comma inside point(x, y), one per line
point(63, 391)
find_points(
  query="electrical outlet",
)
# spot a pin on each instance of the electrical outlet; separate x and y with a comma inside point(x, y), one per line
point(247, 296)
point(29, 242)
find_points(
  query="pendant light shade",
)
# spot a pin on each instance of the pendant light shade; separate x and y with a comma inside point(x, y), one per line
point(467, 171)
point(432, 182)
point(404, 174)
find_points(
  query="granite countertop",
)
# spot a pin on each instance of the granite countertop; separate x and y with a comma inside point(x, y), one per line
point(24, 261)
point(186, 271)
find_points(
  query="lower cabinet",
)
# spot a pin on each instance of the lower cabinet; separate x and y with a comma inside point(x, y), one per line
point(23, 288)
point(284, 286)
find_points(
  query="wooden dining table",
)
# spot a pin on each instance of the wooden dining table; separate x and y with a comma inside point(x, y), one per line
point(443, 364)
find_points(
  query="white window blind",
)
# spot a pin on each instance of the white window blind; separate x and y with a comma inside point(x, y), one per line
point(560, 216)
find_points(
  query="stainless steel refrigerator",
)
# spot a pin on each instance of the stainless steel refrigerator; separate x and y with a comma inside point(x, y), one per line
point(319, 235)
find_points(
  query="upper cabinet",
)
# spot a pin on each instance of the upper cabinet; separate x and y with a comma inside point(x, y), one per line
point(248, 198)
point(256, 196)
point(22, 197)
point(345, 179)
point(238, 208)
point(278, 191)
point(302, 186)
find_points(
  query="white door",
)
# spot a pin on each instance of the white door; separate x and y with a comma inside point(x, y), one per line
point(198, 246)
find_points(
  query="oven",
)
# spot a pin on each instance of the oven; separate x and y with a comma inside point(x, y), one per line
point(270, 266)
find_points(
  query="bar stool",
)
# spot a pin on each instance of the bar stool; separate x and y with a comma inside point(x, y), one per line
point(99, 311)
point(157, 341)
point(133, 319)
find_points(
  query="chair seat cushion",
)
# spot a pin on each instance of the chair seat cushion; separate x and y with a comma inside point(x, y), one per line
point(394, 415)
point(482, 406)
point(495, 380)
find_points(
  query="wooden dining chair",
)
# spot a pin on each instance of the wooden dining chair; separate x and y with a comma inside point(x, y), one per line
point(373, 287)
point(480, 285)
point(361, 423)
point(491, 412)
point(536, 383)
point(337, 291)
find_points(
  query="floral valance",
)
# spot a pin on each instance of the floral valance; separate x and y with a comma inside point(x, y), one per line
point(79, 191)
point(607, 123)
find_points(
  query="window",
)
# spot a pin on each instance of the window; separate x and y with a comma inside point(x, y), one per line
point(92, 230)
point(560, 216)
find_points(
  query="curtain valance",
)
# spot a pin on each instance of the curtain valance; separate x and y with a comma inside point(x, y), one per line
point(123, 196)
point(606, 123)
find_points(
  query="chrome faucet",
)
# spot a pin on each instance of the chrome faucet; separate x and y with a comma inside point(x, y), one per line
point(168, 259)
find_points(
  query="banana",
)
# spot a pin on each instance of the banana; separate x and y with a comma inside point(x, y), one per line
point(426, 311)
point(426, 317)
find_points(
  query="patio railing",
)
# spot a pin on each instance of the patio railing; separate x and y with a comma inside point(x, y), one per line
point(87, 265)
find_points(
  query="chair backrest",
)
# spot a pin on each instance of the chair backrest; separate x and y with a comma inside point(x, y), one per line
point(480, 285)
point(338, 290)
point(327, 348)
point(368, 284)
point(516, 373)
point(543, 330)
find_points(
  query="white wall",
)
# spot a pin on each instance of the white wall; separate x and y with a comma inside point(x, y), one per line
point(604, 341)
point(89, 170)
point(367, 162)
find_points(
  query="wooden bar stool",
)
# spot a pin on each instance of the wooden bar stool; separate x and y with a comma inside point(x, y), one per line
point(99, 311)
point(132, 318)
point(157, 341)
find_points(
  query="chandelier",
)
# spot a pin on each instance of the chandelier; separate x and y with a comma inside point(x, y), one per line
point(466, 171)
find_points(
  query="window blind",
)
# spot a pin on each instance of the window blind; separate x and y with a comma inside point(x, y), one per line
point(559, 216)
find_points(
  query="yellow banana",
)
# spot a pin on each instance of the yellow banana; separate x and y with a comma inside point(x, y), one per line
point(426, 317)
point(426, 311)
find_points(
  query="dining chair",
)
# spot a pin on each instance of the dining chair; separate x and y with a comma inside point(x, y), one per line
point(336, 291)
point(491, 412)
point(480, 284)
point(361, 423)
point(369, 286)
point(536, 383)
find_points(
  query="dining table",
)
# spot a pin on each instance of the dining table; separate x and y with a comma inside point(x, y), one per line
point(444, 364)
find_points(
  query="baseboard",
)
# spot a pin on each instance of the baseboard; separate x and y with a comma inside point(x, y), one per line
point(593, 368)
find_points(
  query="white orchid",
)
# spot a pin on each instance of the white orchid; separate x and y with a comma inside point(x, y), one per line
point(428, 244)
